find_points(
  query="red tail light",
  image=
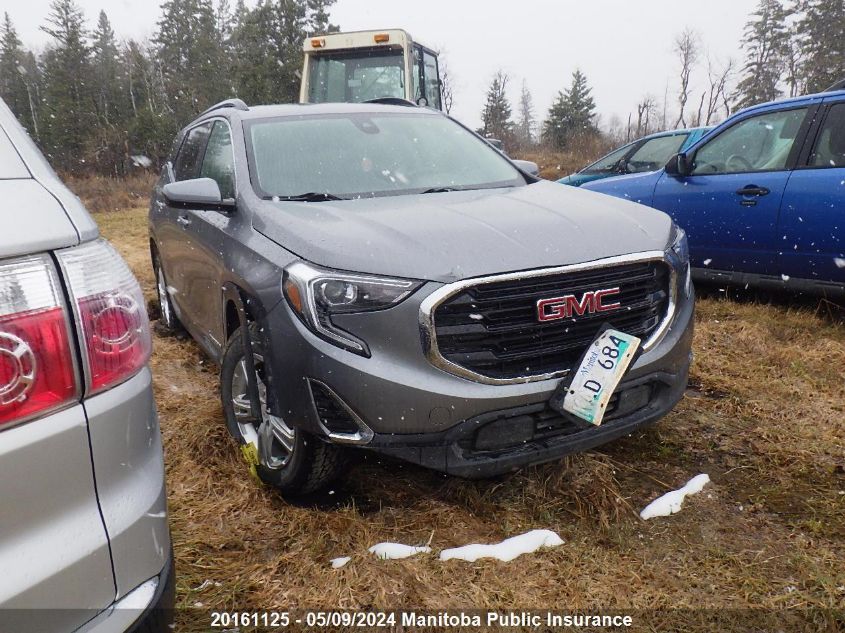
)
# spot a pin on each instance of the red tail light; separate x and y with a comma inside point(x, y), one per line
point(36, 360)
point(110, 308)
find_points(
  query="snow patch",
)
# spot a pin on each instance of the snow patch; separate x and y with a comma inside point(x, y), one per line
point(337, 563)
point(507, 550)
point(393, 551)
point(671, 502)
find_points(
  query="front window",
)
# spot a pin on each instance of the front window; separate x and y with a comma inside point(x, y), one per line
point(654, 153)
point(356, 76)
point(219, 161)
point(371, 154)
point(759, 143)
point(608, 163)
point(830, 145)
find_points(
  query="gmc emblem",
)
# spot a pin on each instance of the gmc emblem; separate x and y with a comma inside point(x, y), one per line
point(567, 306)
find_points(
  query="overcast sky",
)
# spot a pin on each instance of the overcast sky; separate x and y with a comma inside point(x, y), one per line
point(623, 46)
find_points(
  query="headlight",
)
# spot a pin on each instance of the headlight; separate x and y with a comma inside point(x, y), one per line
point(315, 294)
point(680, 245)
point(680, 250)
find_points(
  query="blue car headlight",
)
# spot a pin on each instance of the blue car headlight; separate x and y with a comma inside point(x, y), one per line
point(680, 255)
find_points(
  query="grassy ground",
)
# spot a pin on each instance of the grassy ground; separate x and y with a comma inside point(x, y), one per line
point(764, 417)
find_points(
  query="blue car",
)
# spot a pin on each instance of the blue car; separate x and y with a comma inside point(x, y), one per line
point(762, 196)
point(645, 154)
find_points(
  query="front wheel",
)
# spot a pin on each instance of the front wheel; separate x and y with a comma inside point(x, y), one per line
point(167, 316)
point(288, 458)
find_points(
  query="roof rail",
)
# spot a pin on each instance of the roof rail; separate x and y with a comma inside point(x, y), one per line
point(393, 101)
point(839, 85)
point(238, 104)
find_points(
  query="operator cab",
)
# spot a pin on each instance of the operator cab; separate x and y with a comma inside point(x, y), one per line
point(366, 65)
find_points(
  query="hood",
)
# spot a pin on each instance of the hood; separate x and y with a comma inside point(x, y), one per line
point(634, 187)
point(36, 221)
point(455, 235)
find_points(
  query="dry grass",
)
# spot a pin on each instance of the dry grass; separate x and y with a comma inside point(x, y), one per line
point(101, 193)
point(764, 418)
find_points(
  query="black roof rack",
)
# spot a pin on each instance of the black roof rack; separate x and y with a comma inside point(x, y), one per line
point(238, 104)
point(393, 101)
point(839, 85)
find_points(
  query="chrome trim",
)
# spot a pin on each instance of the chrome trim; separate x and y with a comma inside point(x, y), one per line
point(432, 301)
point(364, 434)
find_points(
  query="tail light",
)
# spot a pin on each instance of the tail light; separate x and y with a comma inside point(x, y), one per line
point(109, 307)
point(37, 368)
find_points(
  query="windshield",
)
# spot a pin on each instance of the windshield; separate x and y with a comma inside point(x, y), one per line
point(356, 76)
point(654, 153)
point(370, 154)
point(607, 163)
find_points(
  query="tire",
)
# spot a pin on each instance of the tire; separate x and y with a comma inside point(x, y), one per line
point(168, 322)
point(304, 464)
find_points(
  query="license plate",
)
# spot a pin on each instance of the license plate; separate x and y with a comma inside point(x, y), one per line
point(603, 367)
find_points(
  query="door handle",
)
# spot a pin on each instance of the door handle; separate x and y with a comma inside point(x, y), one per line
point(752, 190)
point(184, 220)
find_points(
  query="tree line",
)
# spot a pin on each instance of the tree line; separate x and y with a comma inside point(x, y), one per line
point(96, 103)
point(789, 47)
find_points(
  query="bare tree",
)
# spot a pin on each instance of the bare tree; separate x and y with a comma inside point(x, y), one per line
point(646, 109)
point(686, 47)
point(716, 95)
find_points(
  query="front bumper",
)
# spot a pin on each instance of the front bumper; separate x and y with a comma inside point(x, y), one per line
point(425, 415)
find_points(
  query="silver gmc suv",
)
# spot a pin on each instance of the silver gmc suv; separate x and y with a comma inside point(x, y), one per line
point(84, 539)
point(403, 287)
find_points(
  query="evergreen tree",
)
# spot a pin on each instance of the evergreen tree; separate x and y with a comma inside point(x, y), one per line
point(13, 75)
point(572, 114)
point(267, 47)
point(496, 117)
point(821, 40)
point(106, 66)
point(766, 45)
point(189, 57)
point(67, 97)
point(526, 124)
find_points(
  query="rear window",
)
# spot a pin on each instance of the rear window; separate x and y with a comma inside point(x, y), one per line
point(11, 165)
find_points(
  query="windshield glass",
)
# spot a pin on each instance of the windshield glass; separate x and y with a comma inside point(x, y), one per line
point(608, 162)
point(356, 76)
point(370, 154)
point(654, 153)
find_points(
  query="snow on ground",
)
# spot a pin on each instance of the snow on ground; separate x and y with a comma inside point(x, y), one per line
point(508, 549)
point(391, 551)
point(337, 563)
point(671, 502)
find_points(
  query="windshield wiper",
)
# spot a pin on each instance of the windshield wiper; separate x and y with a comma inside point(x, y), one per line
point(441, 189)
point(311, 196)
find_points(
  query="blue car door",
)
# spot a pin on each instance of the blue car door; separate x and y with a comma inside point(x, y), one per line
point(812, 218)
point(729, 202)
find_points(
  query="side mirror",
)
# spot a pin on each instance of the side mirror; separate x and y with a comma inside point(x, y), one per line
point(528, 167)
point(678, 165)
point(197, 192)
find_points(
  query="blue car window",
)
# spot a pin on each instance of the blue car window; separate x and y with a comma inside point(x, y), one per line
point(830, 143)
point(759, 143)
point(654, 153)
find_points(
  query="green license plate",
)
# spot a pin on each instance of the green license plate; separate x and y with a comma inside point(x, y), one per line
point(603, 367)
